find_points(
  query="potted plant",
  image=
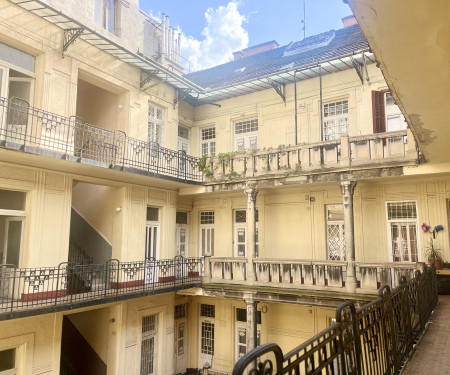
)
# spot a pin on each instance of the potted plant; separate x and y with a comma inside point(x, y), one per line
point(432, 252)
point(434, 255)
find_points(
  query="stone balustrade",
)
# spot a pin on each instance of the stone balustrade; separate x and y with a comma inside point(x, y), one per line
point(375, 150)
point(320, 275)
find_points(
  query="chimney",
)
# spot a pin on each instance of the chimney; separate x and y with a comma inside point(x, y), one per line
point(349, 21)
point(254, 50)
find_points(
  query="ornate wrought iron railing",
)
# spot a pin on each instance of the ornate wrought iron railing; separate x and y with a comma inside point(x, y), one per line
point(30, 129)
point(375, 339)
point(68, 285)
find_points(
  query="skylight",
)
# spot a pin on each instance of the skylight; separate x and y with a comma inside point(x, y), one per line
point(310, 43)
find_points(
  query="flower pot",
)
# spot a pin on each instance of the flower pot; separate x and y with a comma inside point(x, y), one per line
point(438, 263)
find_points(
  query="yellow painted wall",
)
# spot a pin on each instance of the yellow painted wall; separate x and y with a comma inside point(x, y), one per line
point(38, 340)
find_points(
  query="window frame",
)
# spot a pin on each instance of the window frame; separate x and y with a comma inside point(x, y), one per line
point(208, 249)
point(245, 136)
point(157, 123)
point(243, 225)
point(102, 19)
point(340, 224)
point(209, 142)
point(337, 134)
point(389, 228)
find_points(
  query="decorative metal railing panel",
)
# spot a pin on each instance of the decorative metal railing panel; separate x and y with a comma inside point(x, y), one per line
point(26, 128)
point(69, 285)
point(375, 339)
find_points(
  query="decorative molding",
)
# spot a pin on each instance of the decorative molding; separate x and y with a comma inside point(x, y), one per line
point(46, 367)
point(131, 342)
point(54, 181)
point(16, 173)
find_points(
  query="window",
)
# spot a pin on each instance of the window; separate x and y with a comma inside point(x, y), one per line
point(12, 219)
point(155, 124)
point(335, 120)
point(152, 233)
point(207, 315)
point(105, 14)
point(208, 141)
point(207, 233)
point(402, 231)
point(387, 116)
point(246, 135)
point(180, 311)
point(240, 233)
point(182, 231)
point(149, 345)
point(335, 232)
point(241, 332)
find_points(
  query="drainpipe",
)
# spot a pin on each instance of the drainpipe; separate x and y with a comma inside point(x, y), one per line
point(321, 106)
point(295, 101)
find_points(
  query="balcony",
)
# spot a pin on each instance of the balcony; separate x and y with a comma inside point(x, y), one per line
point(377, 338)
point(375, 151)
point(306, 275)
point(28, 129)
point(33, 291)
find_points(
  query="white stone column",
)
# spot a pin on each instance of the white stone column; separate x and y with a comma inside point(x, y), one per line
point(251, 192)
point(348, 188)
point(252, 324)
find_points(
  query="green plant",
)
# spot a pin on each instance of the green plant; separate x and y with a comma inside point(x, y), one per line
point(432, 252)
point(204, 166)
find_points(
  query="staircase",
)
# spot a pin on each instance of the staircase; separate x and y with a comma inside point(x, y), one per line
point(77, 356)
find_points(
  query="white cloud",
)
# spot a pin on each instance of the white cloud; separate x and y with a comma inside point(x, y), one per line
point(223, 35)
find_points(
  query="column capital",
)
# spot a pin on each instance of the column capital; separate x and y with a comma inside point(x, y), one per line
point(347, 187)
point(251, 191)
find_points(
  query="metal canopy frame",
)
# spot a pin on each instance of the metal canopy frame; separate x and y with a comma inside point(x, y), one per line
point(74, 30)
point(192, 93)
point(286, 76)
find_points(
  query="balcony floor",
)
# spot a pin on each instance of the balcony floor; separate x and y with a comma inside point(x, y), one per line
point(433, 352)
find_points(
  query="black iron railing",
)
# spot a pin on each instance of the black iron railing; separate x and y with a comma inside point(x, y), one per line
point(375, 339)
point(30, 129)
point(69, 285)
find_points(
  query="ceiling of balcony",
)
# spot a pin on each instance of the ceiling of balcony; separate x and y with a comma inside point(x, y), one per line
point(411, 42)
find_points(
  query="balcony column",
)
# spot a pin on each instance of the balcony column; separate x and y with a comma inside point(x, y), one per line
point(252, 324)
point(251, 192)
point(348, 188)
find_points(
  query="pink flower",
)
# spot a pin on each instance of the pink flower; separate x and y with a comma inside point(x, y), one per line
point(425, 227)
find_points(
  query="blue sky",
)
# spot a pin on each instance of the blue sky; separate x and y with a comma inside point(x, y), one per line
point(213, 29)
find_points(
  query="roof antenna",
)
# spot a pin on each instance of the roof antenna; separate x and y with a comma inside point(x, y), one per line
point(304, 19)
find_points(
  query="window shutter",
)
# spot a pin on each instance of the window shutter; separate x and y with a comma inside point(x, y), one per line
point(379, 117)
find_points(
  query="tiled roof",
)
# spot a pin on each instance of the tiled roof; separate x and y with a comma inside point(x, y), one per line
point(345, 41)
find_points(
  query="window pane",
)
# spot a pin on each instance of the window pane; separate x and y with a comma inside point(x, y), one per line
point(182, 218)
point(7, 359)
point(12, 200)
point(240, 216)
point(207, 217)
point(17, 57)
point(110, 15)
point(152, 214)
point(246, 126)
point(207, 310)
point(402, 210)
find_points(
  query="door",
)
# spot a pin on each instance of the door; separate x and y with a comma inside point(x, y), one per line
point(182, 239)
point(240, 240)
point(206, 342)
point(151, 245)
point(180, 340)
point(183, 150)
point(10, 255)
point(241, 339)
point(20, 94)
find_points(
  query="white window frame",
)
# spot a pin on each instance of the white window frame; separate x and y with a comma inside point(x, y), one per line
point(393, 112)
point(206, 357)
point(337, 124)
point(101, 18)
point(239, 328)
point(179, 228)
point(405, 221)
point(340, 224)
point(243, 226)
point(155, 227)
point(155, 124)
point(245, 140)
point(207, 141)
point(206, 243)
point(161, 313)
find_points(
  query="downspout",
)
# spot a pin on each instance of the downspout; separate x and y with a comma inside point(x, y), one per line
point(295, 102)
point(321, 106)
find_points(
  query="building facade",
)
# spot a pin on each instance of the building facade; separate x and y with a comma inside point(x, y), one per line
point(153, 222)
